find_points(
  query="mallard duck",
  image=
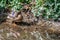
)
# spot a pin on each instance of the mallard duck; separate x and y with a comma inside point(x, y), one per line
point(25, 15)
point(14, 17)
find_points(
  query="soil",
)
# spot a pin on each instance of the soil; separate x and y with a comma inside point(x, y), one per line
point(45, 30)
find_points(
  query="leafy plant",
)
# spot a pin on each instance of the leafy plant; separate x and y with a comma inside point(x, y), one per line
point(13, 4)
point(25, 1)
point(49, 9)
point(2, 3)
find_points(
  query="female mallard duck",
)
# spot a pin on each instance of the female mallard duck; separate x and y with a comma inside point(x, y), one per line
point(14, 17)
point(25, 15)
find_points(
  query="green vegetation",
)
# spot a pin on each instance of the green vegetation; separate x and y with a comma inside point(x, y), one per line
point(49, 9)
point(13, 4)
point(25, 1)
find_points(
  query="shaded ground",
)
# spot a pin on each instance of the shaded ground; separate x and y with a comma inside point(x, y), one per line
point(42, 31)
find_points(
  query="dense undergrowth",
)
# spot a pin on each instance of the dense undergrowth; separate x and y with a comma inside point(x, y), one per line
point(47, 9)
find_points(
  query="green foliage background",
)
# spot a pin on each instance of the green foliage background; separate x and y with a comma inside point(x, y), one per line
point(13, 4)
point(49, 9)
